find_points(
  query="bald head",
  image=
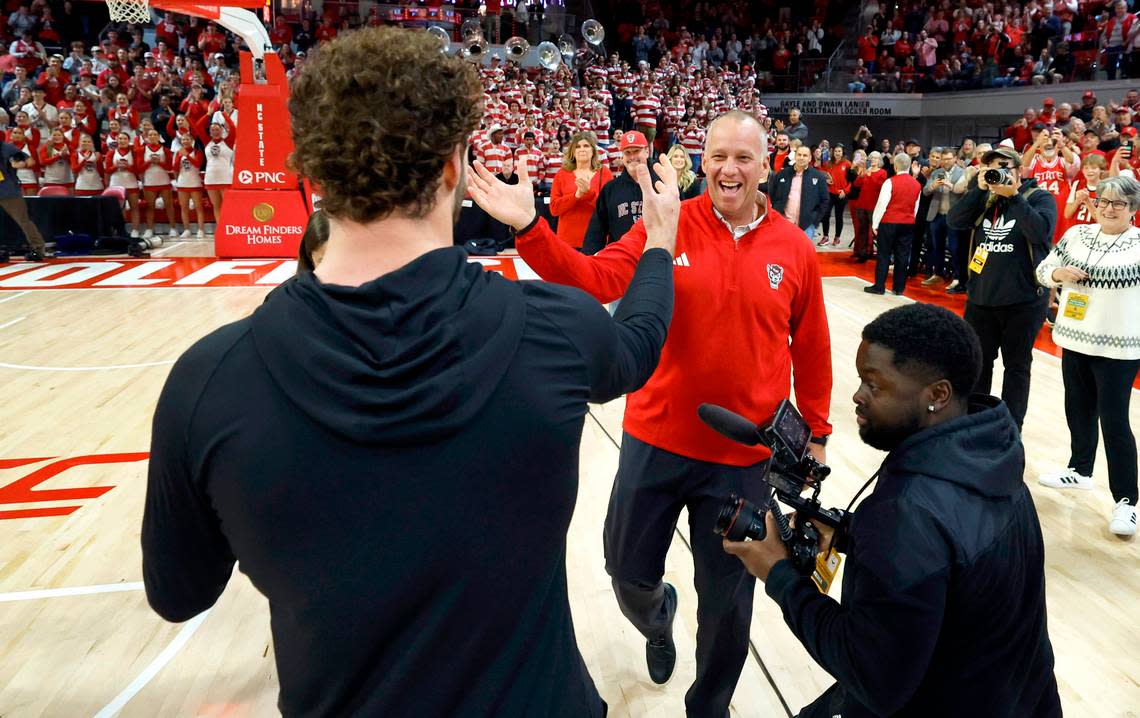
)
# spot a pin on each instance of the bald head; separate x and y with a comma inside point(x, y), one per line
point(743, 126)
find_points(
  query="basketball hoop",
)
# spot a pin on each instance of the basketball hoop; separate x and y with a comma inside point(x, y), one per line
point(129, 11)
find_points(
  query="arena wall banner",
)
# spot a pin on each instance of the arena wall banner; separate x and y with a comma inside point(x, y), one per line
point(845, 105)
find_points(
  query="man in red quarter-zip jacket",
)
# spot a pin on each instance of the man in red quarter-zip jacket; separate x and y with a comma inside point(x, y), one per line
point(746, 281)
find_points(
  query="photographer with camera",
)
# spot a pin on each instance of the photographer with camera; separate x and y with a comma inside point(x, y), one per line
point(1010, 226)
point(943, 602)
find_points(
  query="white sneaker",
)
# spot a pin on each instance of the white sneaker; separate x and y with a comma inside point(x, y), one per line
point(173, 231)
point(147, 234)
point(201, 234)
point(952, 285)
point(1123, 521)
point(134, 234)
point(154, 242)
point(185, 234)
point(1065, 479)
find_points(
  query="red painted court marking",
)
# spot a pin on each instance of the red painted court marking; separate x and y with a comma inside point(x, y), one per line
point(14, 463)
point(23, 490)
point(37, 513)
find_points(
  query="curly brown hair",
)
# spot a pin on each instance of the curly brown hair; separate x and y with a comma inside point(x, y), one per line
point(375, 115)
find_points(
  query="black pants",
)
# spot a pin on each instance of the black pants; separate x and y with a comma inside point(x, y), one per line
point(918, 241)
point(839, 206)
point(959, 246)
point(649, 491)
point(1101, 388)
point(894, 246)
point(1012, 331)
point(864, 244)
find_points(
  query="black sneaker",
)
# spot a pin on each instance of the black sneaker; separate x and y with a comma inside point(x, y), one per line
point(874, 290)
point(660, 652)
point(956, 290)
point(33, 255)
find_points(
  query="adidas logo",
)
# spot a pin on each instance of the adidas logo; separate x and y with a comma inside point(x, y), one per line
point(682, 260)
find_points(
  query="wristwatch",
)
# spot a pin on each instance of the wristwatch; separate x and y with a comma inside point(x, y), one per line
point(820, 440)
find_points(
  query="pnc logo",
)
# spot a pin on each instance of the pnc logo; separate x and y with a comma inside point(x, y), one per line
point(263, 212)
point(248, 177)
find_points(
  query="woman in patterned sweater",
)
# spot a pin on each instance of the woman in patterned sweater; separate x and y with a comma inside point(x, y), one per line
point(1096, 267)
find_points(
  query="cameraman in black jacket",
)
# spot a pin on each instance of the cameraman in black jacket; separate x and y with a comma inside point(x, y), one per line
point(943, 610)
point(1010, 226)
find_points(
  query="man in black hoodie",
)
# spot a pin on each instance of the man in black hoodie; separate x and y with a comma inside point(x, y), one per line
point(389, 445)
point(619, 203)
point(943, 605)
point(1010, 226)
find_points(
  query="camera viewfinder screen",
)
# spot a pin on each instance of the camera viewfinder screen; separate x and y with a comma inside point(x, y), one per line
point(793, 429)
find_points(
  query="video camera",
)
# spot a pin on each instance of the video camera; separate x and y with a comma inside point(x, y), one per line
point(791, 471)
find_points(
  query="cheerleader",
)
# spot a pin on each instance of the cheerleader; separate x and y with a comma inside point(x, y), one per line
point(123, 112)
point(188, 164)
point(154, 159)
point(71, 133)
point(120, 165)
point(31, 134)
point(55, 161)
point(28, 175)
point(219, 166)
point(226, 116)
point(109, 142)
point(85, 118)
point(88, 168)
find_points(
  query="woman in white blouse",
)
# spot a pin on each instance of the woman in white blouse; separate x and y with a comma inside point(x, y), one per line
point(1096, 268)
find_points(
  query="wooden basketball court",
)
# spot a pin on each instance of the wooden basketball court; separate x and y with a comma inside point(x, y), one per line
point(81, 366)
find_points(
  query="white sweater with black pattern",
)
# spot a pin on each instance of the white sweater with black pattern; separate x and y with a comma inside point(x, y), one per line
point(1111, 325)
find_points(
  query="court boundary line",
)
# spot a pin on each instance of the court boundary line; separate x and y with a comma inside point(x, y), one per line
point(143, 365)
point(7, 324)
point(152, 669)
point(751, 643)
point(15, 296)
point(68, 591)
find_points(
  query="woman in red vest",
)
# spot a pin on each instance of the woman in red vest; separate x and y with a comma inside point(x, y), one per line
point(576, 187)
point(869, 179)
point(838, 171)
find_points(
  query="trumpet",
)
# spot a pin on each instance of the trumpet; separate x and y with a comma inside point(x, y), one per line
point(475, 50)
point(516, 48)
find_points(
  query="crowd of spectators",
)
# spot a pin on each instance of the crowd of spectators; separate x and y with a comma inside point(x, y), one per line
point(922, 46)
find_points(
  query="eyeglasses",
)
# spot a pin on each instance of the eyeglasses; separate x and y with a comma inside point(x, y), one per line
point(1117, 204)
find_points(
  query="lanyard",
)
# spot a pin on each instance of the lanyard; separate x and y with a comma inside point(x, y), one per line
point(1103, 254)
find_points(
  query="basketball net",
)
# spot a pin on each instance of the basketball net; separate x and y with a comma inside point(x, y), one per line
point(129, 11)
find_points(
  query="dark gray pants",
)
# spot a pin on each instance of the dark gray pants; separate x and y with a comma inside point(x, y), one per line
point(651, 487)
point(17, 209)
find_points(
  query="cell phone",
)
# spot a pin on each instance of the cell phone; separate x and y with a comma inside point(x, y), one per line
point(1126, 150)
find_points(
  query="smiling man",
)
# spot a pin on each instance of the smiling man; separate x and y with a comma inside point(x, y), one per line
point(749, 307)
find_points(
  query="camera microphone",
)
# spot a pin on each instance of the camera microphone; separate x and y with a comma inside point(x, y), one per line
point(730, 424)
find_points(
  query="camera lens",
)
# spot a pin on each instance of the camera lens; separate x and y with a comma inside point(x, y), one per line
point(993, 176)
point(739, 519)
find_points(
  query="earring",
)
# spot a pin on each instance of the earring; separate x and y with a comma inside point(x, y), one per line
point(930, 408)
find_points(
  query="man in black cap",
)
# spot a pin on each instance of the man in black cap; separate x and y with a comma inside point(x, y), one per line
point(1010, 224)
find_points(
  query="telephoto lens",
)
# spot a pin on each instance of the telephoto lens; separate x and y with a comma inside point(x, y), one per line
point(739, 519)
point(998, 175)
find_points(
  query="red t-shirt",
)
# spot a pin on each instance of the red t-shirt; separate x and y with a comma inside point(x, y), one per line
point(838, 174)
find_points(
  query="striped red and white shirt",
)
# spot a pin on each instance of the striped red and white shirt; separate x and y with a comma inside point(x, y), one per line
point(535, 165)
point(645, 110)
point(693, 141)
point(494, 156)
point(553, 164)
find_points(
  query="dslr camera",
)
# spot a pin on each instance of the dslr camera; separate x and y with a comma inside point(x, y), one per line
point(791, 473)
point(999, 175)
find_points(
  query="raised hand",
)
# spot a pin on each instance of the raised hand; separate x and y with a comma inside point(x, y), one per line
point(660, 205)
point(510, 204)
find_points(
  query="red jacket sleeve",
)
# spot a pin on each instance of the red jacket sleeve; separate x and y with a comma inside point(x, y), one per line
point(811, 348)
point(606, 275)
